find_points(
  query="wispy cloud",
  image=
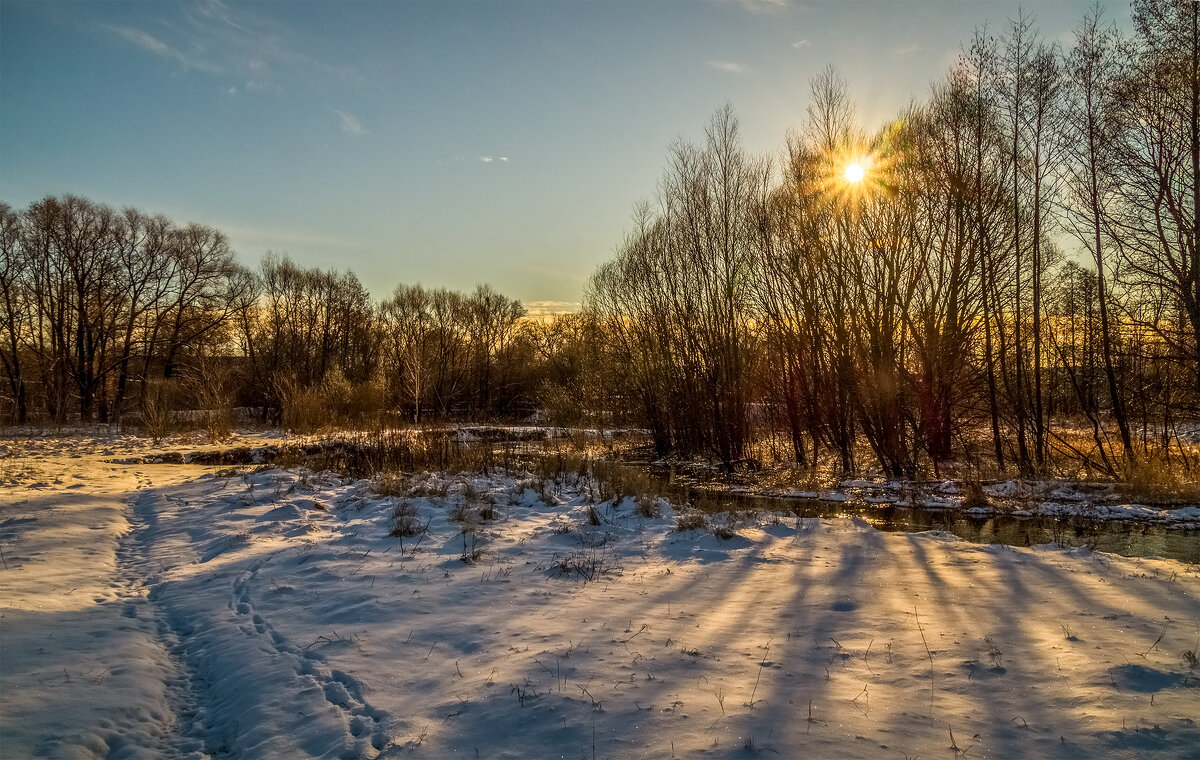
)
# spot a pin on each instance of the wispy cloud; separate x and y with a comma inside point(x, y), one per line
point(350, 123)
point(761, 7)
point(801, 43)
point(731, 67)
point(250, 51)
point(251, 239)
point(907, 49)
point(143, 40)
point(492, 159)
point(767, 7)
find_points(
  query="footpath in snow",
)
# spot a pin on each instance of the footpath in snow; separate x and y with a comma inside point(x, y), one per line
point(158, 610)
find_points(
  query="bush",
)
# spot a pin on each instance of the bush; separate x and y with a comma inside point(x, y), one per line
point(647, 506)
point(303, 410)
point(158, 402)
point(390, 484)
point(405, 522)
point(690, 520)
point(212, 389)
point(974, 497)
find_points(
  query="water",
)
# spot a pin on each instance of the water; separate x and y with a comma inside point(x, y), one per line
point(1124, 537)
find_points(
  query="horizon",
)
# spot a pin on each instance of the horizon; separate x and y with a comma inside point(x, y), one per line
point(441, 144)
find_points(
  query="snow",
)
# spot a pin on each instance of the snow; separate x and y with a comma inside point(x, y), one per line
point(180, 610)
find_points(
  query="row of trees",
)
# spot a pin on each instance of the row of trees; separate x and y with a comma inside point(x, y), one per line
point(105, 311)
point(930, 302)
point(95, 302)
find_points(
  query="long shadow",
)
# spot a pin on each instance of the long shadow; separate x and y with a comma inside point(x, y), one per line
point(1021, 601)
point(321, 605)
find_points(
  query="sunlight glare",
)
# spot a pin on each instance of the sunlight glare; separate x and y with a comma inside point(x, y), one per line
point(854, 173)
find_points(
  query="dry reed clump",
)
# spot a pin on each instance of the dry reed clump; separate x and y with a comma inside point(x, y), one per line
point(722, 531)
point(974, 497)
point(648, 507)
point(405, 520)
point(390, 484)
point(332, 403)
point(589, 563)
point(1153, 481)
point(213, 389)
point(158, 403)
point(690, 519)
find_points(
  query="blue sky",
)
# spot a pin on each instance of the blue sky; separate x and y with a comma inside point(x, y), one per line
point(446, 143)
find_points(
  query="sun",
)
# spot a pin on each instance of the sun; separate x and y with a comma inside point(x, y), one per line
point(854, 173)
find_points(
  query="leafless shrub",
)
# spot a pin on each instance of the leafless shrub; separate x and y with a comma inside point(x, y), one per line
point(405, 520)
point(647, 506)
point(390, 484)
point(974, 497)
point(690, 520)
point(213, 388)
point(157, 406)
point(722, 531)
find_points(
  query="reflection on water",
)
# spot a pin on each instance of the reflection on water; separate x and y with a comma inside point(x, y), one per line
point(1130, 539)
point(1116, 536)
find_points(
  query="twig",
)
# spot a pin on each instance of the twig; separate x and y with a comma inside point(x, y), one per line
point(928, 654)
point(1155, 644)
point(761, 665)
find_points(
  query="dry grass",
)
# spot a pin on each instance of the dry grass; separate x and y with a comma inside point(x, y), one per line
point(691, 520)
point(390, 484)
point(405, 521)
point(648, 507)
point(1153, 481)
point(974, 497)
point(157, 405)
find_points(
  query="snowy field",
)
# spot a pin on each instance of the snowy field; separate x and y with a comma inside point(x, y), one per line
point(155, 610)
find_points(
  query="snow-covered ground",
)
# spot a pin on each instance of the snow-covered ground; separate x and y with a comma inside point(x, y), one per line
point(153, 610)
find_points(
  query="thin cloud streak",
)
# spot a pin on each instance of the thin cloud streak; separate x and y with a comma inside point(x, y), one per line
point(350, 123)
point(151, 44)
point(761, 7)
point(731, 67)
point(211, 37)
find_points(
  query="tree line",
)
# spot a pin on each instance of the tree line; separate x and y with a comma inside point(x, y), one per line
point(1013, 280)
point(110, 316)
point(928, 310)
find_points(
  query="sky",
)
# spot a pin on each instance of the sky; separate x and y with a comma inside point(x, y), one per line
point(446, 143)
